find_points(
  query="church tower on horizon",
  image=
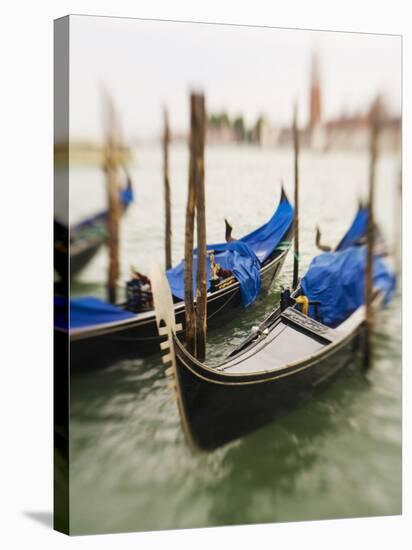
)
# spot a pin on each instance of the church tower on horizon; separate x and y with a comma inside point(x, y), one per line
point(315, 95)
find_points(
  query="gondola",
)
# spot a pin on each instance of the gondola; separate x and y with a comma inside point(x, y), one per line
point(299, 348)
point(86, 238)
point(102, 333)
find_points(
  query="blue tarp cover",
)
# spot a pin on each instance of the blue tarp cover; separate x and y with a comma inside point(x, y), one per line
point(237, 257)
point(240, 257)
point(243, 257)
point(336, 280)
point(87, 311)
point(356, 231)
point(126, 196)
point(266, 238)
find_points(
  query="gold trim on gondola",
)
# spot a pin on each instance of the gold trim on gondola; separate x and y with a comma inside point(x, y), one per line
point(226, 282)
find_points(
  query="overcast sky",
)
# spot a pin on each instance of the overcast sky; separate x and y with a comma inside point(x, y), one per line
point(244, 70)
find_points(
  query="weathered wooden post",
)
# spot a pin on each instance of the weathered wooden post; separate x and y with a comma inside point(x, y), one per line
point(373, 154)
point(201, 282)
point(111, 165)
point(190, 317)
point(296, 198)
point(195, 317)
point(168, 214)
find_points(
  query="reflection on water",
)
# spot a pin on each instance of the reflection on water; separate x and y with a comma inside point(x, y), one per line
point(338, 455)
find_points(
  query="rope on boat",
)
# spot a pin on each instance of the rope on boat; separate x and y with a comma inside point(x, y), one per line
point(284, 245)
point(222, 306)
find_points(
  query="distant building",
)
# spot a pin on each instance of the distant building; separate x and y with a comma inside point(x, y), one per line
point(220, 130)
point(315, 95)
point(269, 134)
point(353, 132)
point(346, 132)
point(220, 135)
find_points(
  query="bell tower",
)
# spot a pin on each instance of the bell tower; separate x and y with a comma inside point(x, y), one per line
point(315, 97)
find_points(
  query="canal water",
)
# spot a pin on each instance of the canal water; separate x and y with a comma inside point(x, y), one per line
point(338, 456)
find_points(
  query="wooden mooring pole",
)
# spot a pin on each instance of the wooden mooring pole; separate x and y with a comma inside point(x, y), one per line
point(296, 198)
point(190, 317)
point(111, 167)
point(201, 283)
point(195, 317)
point(168, 213)
point(373, 155)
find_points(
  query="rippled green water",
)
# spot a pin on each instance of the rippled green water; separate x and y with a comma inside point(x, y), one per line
point(336, 456)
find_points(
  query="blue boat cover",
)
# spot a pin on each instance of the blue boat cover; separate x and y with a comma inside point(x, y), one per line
point(87, 311)
point(266, 238)
point(243, 257)
point(240, 257)
point(337, 280)
point(356, 231)
point(236, 256)
point(126, 196)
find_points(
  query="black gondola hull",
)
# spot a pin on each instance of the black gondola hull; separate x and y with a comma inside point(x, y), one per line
point(79, 260)
point(82, 248)
point(218, 410)
point(283, 362)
